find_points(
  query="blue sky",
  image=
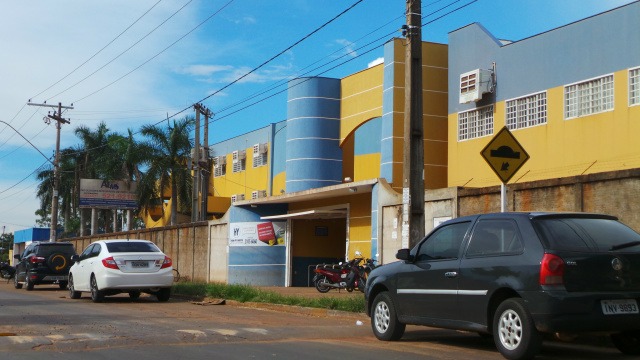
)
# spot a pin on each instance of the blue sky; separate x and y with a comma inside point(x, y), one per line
point(132, 63)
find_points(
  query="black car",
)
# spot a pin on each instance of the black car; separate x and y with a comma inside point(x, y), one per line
point(515, 276)
point(44, 263)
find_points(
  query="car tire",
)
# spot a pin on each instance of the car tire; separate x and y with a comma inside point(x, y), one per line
point(514, 331)
point(627, 342)
point(28, 283)
point(16, 283)
point(384, 319)
point(96, 295)
point(163, 294)
point(134, 295)
point(73, 294)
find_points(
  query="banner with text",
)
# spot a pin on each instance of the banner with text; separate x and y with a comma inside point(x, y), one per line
point(105, 194)
point(257, 233)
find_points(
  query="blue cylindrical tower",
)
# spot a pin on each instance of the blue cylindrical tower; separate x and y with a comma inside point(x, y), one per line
point(314, 157)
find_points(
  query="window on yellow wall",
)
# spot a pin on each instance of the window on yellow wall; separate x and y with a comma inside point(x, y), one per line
point(475, 123)
point(588, 97)
point(634, 87)
point(527, 111)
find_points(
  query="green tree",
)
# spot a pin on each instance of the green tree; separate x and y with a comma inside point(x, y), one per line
point(167, 152)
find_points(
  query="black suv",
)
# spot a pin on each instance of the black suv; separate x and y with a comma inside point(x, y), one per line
point(515, 276)
point(44, 263)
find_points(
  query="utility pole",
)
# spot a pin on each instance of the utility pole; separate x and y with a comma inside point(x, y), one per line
point(57, 116)
point(206, 175)
point(200, 177)
point(413, 152)
point(195, 160)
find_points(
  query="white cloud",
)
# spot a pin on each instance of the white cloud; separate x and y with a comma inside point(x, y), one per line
point(375, 62)
point(348, 47)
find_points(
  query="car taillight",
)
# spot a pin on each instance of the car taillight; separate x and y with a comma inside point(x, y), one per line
point(551, 270)
point(110, 263)
point(166, 262)
point(37, 260)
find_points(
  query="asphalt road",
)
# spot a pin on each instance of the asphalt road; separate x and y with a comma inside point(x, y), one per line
point(46, 324)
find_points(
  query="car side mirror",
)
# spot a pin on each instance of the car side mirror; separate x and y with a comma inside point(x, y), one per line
point(404, 254)
point(17, 257)
point(75, 258)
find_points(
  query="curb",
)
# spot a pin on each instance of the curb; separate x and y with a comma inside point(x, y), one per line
point(318, 312)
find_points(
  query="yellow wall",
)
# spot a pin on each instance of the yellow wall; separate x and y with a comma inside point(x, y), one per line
point(361, 95)
point(366, 167)
point(434, 99)
point(590, 144)
point(243, 182)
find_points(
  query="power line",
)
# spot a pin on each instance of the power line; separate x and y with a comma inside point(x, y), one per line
point(158, 54)
point(99, 51)
point(122, 53)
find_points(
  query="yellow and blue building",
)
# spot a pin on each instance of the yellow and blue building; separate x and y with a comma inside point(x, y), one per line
point(308, 189)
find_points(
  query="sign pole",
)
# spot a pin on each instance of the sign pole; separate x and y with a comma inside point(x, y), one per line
point(503, 197)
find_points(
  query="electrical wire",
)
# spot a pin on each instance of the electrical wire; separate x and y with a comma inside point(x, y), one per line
point(122, 53)
point(99, 51)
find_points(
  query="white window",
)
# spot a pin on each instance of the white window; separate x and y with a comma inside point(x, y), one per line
point(527, 111)
point(475, 123)
point(634, 87)
point(588, 97)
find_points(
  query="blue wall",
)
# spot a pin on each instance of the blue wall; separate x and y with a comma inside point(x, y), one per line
point(313, 154)
point(32, 234)
point(256, 265)
point(386, 142)
point(575, 52)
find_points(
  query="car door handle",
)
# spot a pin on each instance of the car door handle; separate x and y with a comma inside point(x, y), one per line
point(450, 274)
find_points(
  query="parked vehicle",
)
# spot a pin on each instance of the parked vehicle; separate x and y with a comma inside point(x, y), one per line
point(515, 276)
point(7, 271)
point(43, 263)
point(348, 275)
point(110, 267)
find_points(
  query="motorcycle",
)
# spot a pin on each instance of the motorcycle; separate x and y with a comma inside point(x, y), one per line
point(7, 271)
point(348, 276)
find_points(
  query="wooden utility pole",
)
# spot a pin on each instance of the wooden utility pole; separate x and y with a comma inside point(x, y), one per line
point(413, 157)
point(57, 116)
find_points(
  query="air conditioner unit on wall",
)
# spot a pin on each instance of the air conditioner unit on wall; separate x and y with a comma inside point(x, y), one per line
point(220, 160)
point(474, 84)
point(237, 197)
point(258, 194)
point(238, 155)
point(259, 149)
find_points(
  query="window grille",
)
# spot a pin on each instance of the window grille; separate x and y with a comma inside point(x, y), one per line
point(588, 97)
point(475, 123)
point(527, 111)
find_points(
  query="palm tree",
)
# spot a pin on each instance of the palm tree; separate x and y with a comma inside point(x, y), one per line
point(167, 155)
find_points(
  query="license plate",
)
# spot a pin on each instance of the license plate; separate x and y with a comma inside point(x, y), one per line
point(617, 307)
point(139, 264)
point(54, 278)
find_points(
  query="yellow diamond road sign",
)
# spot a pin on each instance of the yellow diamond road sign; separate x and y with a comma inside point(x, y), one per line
point(504, 154)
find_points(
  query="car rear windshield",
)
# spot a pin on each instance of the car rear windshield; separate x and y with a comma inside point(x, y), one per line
point(587, 234)
point(129, 246)
point(47, 250)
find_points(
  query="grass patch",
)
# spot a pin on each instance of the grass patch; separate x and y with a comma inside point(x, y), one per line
point(246, 293)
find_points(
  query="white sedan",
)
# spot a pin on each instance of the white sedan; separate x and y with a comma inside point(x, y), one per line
point(110, 267)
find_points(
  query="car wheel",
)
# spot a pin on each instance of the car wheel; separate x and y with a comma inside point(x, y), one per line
point(384, 320)
point(28, 283)
point(627, 342)
point(16, 283)
point(134, 295)
point(163, 294)
point(320, 284)
point(514, 332)
point(96, 295)
point(73, 294)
